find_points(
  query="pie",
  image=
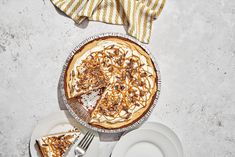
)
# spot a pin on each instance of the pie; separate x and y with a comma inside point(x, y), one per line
point(122, 76)
point(56, 145)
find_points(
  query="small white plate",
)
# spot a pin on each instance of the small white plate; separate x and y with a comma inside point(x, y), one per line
point(150, 140)
point(59, 122)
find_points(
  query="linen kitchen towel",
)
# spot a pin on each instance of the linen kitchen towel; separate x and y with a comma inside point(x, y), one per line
point(136, 15)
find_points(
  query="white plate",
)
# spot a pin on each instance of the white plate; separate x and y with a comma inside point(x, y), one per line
point(151, 140)
point(158, 127)
point(59, 122)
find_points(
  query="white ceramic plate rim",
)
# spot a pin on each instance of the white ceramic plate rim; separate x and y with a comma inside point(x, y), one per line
point(142, 135)
point(166, 131)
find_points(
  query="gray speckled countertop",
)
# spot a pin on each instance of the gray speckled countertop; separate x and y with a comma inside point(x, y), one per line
point(193, 41)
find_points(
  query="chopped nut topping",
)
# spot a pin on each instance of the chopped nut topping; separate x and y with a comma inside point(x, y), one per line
point(144, 74)
point(122, 87)
point(116, 87)
point(125, 108)
point(128, 115)
point(111, 69)
point(116, 52)
point(136, 104)
point(142, 93)
point(141, 83)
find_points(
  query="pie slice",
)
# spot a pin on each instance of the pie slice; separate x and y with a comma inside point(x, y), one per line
point(122, 71)
point(56, 145)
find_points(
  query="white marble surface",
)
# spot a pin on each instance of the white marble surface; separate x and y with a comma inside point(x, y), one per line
point(193, 41)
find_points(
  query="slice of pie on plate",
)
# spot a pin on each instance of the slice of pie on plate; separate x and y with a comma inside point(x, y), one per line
point(56, 145)
point(121, 74)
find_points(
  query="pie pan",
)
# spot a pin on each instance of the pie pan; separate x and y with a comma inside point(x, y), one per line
point(81, 114)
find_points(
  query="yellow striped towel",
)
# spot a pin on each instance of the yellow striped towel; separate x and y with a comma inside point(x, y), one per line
point(137, 15)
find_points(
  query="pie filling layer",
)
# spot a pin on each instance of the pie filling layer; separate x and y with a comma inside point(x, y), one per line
point(122, 73)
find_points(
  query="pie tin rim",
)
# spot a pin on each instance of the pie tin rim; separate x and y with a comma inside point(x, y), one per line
point(135, 124)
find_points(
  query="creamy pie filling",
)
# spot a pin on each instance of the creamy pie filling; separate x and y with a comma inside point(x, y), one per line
point(128, 79)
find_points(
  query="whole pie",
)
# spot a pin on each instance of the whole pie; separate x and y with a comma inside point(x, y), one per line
point(114, 79)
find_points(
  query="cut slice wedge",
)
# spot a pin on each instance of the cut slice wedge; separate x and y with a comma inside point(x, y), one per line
point(56, 145)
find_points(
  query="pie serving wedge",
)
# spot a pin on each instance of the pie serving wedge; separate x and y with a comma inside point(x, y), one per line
point(56, 145)
point(114, 79)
